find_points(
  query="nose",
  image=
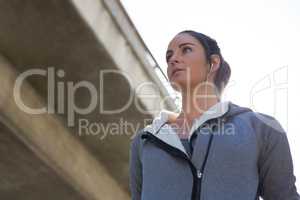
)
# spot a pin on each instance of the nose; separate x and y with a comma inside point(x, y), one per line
point(174, 59)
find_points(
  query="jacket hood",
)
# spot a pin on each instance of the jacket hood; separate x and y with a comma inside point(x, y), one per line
point(161, 128)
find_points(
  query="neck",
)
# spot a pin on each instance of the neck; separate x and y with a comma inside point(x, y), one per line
point(194, 103)
point(197, 101)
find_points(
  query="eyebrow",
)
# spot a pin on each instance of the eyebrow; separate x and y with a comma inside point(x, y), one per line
point(182, 44)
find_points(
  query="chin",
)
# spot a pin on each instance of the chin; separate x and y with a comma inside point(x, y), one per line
point(178, 85)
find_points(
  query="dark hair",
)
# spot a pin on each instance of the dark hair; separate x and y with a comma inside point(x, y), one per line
point(211, 47)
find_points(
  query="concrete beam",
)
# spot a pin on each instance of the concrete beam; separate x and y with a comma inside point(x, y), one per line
point(114, 30)
point(81, 38)
point(52, 141)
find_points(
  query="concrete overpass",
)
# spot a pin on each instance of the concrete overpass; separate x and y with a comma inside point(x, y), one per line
point(52, 54)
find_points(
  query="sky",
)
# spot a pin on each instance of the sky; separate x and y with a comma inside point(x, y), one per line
point(260, 39)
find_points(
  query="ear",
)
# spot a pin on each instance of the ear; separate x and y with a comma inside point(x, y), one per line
point(215, 61)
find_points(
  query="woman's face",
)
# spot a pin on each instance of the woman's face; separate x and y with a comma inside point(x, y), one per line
point(187, 63)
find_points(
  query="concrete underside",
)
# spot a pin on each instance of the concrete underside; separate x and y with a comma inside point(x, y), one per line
point(43, 34)
point(24, 176)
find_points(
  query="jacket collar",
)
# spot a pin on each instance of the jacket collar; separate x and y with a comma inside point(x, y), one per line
point(161, 128)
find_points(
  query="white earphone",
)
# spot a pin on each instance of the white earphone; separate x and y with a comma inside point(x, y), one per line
point(211, 66)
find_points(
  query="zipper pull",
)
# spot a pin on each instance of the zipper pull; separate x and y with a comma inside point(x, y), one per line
point(199, 174)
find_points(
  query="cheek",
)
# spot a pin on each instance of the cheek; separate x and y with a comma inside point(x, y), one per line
point(169, 72)
point(198, 71)
point(196, 76)
point(195, 59)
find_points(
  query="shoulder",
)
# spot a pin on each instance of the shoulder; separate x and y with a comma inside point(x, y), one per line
point(266, 128)
point(257, 119)
point(265, 123)
point(136, 141)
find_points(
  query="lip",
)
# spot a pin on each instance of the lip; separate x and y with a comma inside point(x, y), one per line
point(176, 70)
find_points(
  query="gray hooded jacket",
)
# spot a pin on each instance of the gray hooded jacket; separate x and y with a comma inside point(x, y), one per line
point(237, 154)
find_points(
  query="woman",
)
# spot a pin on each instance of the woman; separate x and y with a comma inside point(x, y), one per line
point(212, 149)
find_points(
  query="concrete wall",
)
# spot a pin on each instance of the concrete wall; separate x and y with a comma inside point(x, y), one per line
point(46, 155)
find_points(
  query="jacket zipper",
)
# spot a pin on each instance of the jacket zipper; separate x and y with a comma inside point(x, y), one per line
point(197, 173)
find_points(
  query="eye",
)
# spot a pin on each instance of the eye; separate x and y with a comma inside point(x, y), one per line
point(168, 57)
point(186, 49)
